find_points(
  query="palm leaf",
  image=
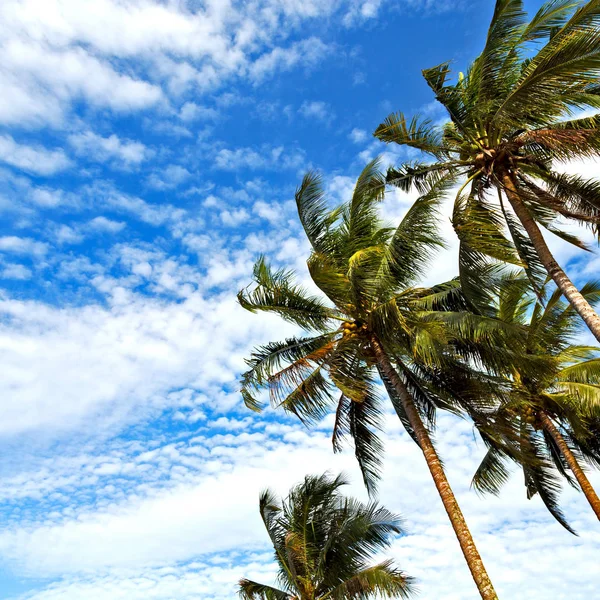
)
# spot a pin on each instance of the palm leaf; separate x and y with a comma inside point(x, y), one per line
point(418, 133)
point(250, 590)
point(276, 292)
point(315, 216)
point(382, 579)
point(491, 473)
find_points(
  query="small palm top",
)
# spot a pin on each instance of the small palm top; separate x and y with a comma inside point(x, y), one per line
point(510, 122)
point(560, 394)
point(326, 546)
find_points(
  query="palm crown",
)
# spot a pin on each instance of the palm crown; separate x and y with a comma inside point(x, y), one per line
point(324, 546)
point(543, 422)
point(371, 320)
point(510, 121)
point(367, 272)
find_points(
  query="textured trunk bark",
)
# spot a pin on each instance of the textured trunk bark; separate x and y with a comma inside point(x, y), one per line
point(566, 286)
point(467, 545)
point(584, 482)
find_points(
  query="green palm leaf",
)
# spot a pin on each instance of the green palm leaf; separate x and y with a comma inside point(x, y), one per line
point(277, 293)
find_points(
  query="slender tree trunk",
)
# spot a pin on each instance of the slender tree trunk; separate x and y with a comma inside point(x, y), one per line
point(566, 286)
point(467, 545)
point(584, 482)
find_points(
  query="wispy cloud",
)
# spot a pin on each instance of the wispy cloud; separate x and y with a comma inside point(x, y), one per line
point(264, 158)
point(316, 109)
point(358, 136)
point(33, 159)
point(306, 53)
point(94, 147)
point(22, 245)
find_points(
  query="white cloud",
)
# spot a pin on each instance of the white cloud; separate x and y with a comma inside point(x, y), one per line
point(169, 177)
point(358, 136)
point(198, 580)
point(73, 73)
point(106, 225)
point(266, 157)
point(128, 55)
point(234, 218)
point(27, 104)
point(33, 159)
point(358, 78)
point(362, 10)
point(307, 53)
point(97, 148)
point(46, 197)
point(15, 271)
point(107, 195)
point(150, 532)
point(65, 234)
point(190, 111)
point(271, 212)
point(318, 110)
point(22, 245)
point(51, 353)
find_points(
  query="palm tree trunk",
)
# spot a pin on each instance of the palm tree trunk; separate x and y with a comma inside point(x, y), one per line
point(470, 552)
point(566, 286)
point(584, 482)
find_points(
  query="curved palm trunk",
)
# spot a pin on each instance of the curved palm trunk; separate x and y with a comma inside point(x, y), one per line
point(470, 552)
point(584, 482)
point(566, 286)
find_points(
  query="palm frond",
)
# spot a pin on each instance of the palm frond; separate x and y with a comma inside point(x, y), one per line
point(330, 278)
point(310, 400)
point(504, 33)
point(492, 473)
point(315, 215)
point(569, 61)
point(420, 175)
point(558, 459)
point(398, 406)
point(587, 371)
point(292, 356)
point(587, 394)
point(276, 292)
point(250, 590)
point(417, 133)
point(479, 226)
point(382, 579)
point(416, 238)
point(540, 480)
point(550, 16)
point(364, 421)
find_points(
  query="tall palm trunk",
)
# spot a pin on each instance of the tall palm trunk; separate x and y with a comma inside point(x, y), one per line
point(566, 286)
point(584, 482)
point(470, 552)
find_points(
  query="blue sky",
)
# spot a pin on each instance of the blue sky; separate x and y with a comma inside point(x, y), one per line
point(149, 151)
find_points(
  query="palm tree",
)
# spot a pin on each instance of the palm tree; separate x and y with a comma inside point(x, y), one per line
point(324, 545)
point(511, 119)
point(547, 419)
point(370, 320)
